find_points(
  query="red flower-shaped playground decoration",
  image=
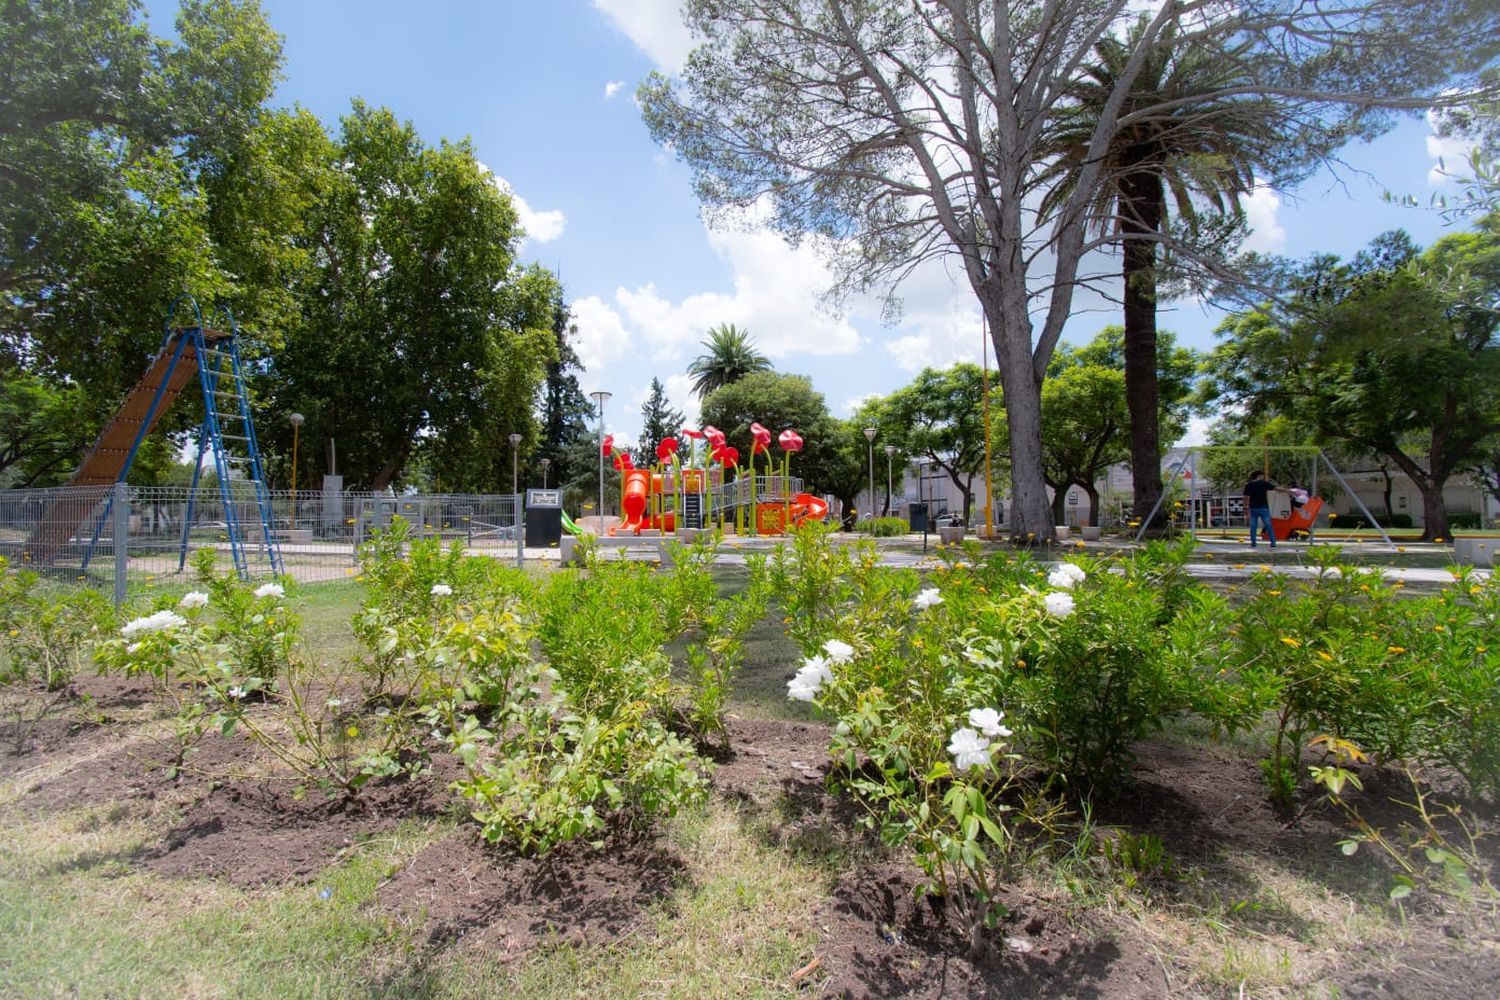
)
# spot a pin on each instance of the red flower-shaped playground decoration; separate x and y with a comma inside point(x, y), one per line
point(688, 432)
point(666, 450)
point(760, 439)
point(790, 440)
point(609, 445)
point(714, 435)
point(623, 462)
point(725, 456)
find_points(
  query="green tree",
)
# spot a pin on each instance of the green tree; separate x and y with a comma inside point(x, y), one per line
point(658, 421)
point(1195, 139)
point(828, 462)
point(415, 324)
point(1428, 399)
point(730, 356)
point(39, 443)
point(895, 134)
point(939, 416)
point(565, 411)
point(104, 133)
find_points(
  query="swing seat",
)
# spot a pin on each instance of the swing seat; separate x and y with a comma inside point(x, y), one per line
point(1300, 519)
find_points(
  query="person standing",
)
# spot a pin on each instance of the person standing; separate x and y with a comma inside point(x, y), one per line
point(1257, 495)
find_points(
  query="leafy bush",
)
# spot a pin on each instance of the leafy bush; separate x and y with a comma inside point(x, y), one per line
point(46, 635)
point(1464, 520)
point(883, 527)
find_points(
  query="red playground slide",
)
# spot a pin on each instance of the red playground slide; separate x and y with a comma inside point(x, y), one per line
point(633, 501)
point(806, 507)
point(1300, 519)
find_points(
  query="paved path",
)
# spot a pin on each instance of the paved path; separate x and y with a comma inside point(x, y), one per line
point(1227, 559)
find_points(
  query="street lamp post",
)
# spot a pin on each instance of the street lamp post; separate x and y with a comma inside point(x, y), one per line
point(546, 464)
point(515, 448)
point(890, 450)
point(296, 419)
point(600, 397)
point(870, 433)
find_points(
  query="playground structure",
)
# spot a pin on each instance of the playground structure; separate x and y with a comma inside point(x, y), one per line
point(79, 517)
point(674, 495)
point(1204, 511)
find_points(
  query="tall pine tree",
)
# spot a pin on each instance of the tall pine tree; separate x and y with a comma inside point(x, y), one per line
point(658, 421)
point(566, 411)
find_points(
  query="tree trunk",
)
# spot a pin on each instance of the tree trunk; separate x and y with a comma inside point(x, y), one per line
point(1434, 514)
point(1093, 492)
point(1141, 211)
point(1059, 502)
point(1030, 519)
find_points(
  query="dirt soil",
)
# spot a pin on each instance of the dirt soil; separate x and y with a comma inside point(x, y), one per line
point(1208, 808)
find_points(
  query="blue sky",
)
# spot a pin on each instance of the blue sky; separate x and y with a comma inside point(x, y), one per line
point(545, 90)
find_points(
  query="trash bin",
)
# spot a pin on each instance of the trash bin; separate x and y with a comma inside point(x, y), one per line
point(916, 516)
point(543, 518)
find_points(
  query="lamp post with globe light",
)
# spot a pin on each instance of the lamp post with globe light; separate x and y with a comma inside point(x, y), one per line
point(296, 419)
point(870, 433)
point(600, 397)
point(890, 450)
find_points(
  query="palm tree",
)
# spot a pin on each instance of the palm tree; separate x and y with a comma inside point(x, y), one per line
point(731, 356)
point(1180, 133)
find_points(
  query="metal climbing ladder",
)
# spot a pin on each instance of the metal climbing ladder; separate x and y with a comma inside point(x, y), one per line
point(222, 377)
point(227, 431)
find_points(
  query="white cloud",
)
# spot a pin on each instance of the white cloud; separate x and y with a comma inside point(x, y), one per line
point(680, 396)
point(1196, 433)
point(655, 26)
point(911, 351)
point(602, 337)
point(1267, 235)
point(544, 227)
point(612, 88)
point(1449, 153)
point(853, 403)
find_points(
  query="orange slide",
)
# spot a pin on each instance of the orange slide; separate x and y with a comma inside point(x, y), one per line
point(634, 501)
point(803, 507)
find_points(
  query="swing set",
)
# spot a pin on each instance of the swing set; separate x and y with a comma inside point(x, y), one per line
point(1206, 511)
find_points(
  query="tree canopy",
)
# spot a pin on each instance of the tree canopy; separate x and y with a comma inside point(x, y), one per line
point(894, 133)
point(1396, 353)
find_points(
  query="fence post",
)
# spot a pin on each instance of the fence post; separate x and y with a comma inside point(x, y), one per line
point(121, 531)
point(520, 542)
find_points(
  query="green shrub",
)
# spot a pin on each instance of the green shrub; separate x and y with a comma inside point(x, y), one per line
point(1464, 520)
point(883, 527)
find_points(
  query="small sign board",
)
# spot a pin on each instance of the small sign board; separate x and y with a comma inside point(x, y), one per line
point(544, 498)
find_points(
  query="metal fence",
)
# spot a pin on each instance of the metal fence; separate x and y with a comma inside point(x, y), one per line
point(71, 532)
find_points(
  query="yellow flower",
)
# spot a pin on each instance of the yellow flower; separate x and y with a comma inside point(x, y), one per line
point(1395, 649)
point(1274, 593)
point(1365, 587)
point(1021, 663)
point(14, 632)
point(1481, 649)
point(1294, 643)
point(1438, 540)
point(352, 732)
point(1325, 656)
point(1440, 628)
point(1401, 548)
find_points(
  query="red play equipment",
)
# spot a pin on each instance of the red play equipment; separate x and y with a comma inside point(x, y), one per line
point(1299, 519)
point(655, 499)
point(771, 518)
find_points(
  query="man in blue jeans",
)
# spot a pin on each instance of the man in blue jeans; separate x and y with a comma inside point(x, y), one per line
point(1258, 504)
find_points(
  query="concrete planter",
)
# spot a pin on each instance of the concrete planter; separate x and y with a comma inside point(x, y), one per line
point(1062, 532)
point(950, 536)
point(1091, 533)
point(1475, 550)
